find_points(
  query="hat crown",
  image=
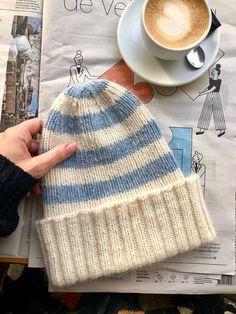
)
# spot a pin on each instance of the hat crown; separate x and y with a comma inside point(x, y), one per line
point(87, 90)
point(121, 149)
point(91, 107)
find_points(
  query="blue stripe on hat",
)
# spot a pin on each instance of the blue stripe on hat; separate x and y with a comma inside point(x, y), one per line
point(98, 190)
point(124, 107)
point(148, 134)
point(90, 89)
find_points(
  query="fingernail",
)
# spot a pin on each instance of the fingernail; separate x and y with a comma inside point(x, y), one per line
point(71, 148)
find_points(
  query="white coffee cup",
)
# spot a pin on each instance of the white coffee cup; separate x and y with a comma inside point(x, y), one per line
point(164, 51)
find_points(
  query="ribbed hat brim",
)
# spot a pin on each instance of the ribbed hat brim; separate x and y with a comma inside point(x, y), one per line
point(122, 236)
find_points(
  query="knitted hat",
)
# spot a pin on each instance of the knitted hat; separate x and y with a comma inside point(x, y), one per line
point(121, 202)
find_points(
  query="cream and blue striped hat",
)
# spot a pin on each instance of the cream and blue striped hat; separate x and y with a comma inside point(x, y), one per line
point(121, 202)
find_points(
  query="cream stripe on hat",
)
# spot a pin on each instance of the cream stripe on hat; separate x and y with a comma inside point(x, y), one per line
point(106, 136)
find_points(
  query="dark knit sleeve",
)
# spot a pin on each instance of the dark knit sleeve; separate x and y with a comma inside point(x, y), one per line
point(14, 184)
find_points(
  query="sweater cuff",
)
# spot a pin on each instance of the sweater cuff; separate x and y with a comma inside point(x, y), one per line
point(14, 184)
point(13, 180)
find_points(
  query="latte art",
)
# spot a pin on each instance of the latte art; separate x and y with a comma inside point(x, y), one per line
point(176, 23)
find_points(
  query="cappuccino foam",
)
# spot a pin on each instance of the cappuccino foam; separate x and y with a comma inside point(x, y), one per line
point(176, 23)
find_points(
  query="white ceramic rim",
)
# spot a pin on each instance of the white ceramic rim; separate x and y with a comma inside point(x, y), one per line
point(196, 43)
point(156, 82)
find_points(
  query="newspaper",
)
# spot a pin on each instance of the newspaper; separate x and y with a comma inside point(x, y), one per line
point(91, 26)
point(149, 282)
point(20, 38)
point(92, 47)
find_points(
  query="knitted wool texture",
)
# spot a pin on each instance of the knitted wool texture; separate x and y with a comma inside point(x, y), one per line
point(121, 202)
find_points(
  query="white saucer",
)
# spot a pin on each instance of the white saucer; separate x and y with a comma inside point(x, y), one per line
point(150, 68)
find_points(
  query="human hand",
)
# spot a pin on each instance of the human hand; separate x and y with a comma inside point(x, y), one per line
point(17, 144)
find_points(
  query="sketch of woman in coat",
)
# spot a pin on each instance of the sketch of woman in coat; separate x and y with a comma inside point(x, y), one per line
point(212, 105)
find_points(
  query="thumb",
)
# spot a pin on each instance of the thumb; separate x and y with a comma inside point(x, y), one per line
point(43, 163)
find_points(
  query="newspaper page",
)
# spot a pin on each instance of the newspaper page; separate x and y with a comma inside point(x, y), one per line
point(85, 37)
point(147, 281)
point(158, 282)
point(20, 38)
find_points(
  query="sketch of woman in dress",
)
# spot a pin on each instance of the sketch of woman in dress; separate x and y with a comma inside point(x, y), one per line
point(212, 105)
point(79, 72)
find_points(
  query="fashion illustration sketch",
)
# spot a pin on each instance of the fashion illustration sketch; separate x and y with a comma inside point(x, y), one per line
point(79, 72)
point(212, 104)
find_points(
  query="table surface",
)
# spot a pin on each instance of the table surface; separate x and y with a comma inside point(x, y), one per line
point(13, 260)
